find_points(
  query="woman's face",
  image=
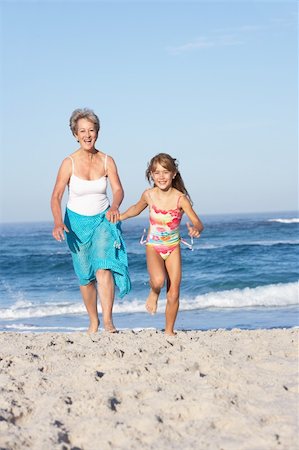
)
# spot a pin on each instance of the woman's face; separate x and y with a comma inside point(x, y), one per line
point(86, 134)
point(162, 177)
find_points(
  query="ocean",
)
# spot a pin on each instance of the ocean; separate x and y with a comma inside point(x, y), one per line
point(242, 273)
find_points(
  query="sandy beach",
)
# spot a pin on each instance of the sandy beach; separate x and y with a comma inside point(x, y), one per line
point(142, 390)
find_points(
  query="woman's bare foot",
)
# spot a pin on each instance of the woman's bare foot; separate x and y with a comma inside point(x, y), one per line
point(93, 327)
point(152, 302)
point(109, 327)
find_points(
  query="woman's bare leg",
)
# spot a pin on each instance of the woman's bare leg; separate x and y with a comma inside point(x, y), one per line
point(106, 290)
point(156, 271)
point(174, 273)
point(89, 295)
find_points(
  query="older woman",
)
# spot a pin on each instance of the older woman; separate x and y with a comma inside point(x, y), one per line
point(91, 223)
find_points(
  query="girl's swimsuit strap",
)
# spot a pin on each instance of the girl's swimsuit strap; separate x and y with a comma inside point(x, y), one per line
point(180, 196)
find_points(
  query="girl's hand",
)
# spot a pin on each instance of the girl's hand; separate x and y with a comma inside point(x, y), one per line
point(58, 232)
point(192, 231)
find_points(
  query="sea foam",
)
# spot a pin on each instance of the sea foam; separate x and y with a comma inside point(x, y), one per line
point(293, 220)
point(272, 295)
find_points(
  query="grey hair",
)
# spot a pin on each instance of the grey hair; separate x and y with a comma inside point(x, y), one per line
point(83, 113)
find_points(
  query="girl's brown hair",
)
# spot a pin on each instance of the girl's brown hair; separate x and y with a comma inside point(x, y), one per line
point(170, 164)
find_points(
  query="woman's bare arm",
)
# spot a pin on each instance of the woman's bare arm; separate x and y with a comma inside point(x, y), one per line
point(117, 191)
point(62, 180)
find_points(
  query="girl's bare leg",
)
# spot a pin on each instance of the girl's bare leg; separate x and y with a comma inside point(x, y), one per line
point(174, 273)
point(156, 271)
point(89, 295)
point(106, 291)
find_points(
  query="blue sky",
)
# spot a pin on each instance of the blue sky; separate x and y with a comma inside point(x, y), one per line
point(212, 83)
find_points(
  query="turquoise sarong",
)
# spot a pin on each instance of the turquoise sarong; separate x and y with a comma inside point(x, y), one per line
point(95, 243)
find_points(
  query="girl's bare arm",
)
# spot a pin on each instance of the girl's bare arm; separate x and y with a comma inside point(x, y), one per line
point(197, 225)
point(136, 209)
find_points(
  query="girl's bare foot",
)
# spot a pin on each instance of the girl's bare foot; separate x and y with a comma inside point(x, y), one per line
point(152, 302)
point(170, 333)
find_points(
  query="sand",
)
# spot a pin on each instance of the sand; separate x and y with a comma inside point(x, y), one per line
point(141, 390)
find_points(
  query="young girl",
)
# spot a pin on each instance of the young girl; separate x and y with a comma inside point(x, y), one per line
point(167, 200)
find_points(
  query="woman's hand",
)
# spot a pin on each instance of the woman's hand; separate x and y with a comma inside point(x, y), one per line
point(113, 215)
point(58, 232)
point(192, 231)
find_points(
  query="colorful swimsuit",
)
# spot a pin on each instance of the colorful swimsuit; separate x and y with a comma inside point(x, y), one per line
point(164, 234)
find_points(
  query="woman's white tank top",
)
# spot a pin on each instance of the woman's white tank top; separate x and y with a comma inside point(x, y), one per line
point(87, 197)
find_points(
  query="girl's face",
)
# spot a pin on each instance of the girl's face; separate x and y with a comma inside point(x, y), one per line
point(86, 134)
point(162, 177)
